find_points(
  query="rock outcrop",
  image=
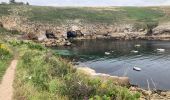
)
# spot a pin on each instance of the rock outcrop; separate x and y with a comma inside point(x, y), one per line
point(162, 29)
point(37, 30)
point(124, 81)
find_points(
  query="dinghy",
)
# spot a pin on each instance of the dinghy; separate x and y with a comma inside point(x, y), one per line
point(107, 53)
point(160, 50)
point(134, 51)
point(137, 45)
point(137, 69)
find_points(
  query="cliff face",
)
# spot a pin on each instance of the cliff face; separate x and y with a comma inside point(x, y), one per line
point(116, 30)
point(128, 30)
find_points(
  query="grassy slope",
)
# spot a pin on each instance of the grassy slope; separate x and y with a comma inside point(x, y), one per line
point(44, 76)
point(4, 10)
point(92, 15)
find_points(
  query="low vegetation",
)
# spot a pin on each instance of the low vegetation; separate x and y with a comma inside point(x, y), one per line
point(43, 75)
point(5, 52)
point(108, 15)
point(4, 10)
point(94, 15)
point(5, 57)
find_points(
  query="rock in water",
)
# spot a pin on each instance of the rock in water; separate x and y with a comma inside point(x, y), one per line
point(68, 44)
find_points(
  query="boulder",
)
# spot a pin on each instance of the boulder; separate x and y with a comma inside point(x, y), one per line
point(74, 28)
point(68, 43)
point(124, 81)
point(161, 29)
point(50, 35)
point(32, 36)
point(41, 37)
point(71, 34)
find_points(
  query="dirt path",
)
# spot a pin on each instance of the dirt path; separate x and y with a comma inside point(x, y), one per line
point(6, 88)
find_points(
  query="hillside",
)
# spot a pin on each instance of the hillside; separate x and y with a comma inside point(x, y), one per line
point(91, 14)
point(116, 22)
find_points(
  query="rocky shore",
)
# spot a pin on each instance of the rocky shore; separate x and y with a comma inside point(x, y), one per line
point(118, 31)
point(124, 81)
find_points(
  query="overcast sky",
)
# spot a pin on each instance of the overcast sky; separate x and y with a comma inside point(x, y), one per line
point(96, 2)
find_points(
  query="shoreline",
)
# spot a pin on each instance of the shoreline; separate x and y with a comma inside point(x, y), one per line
point(124, 81)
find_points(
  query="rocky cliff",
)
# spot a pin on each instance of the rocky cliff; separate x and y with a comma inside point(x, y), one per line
point(123, 31)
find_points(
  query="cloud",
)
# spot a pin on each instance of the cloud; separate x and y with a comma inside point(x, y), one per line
point(96, 2)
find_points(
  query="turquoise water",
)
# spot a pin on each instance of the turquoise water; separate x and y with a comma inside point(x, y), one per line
point(121, 60)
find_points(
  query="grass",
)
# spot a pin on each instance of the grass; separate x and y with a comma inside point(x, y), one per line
point(5, 58)
point(42, 75)
point(108, 15)
point(4, 10)
point(5, 52)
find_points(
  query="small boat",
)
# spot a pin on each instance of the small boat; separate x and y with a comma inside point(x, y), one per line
point(107, 53)
point(137, 69)
point(160, 50)
point(134, 51)
point(137, 45)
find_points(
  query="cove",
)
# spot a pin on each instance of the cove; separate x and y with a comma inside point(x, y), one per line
point(155, 66)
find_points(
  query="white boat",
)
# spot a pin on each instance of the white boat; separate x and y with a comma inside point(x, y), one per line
point(137, 69)
point(137, 45)
point(160, 50)
point(107, 53)
point(134, 51)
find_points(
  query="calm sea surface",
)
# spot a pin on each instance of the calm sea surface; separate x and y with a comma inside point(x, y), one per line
point(155, 66)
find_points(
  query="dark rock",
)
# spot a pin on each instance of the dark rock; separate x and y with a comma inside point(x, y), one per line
point(50, 35)
point(71, 34)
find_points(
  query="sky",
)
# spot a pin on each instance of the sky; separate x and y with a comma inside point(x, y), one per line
point(96, 2)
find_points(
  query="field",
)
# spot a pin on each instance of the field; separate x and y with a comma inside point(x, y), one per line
point(109, 15)
point(94, 15)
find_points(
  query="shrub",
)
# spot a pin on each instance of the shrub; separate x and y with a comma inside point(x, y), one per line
point(5, 56)
point(4, 52)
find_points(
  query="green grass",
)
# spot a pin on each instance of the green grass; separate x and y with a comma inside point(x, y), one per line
point(143, 14)
point(3, 66)
point(108, 15)
point(94, 15)
point(4, 10)
point(5, 54)
point(42, 75)
point(5, 58)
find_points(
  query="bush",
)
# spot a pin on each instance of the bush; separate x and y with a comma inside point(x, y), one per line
point(30, 45)
point(5, 56)
point(4, 52)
